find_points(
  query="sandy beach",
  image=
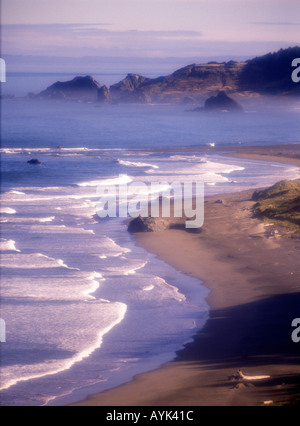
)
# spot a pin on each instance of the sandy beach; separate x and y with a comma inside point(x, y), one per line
point(253, 273)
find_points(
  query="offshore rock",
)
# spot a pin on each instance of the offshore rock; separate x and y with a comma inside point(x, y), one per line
point(80, 88)
point(34, 162)
point(222, 103)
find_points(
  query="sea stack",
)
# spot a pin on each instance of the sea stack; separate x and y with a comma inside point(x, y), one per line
point(80, 89)
point(222, 103)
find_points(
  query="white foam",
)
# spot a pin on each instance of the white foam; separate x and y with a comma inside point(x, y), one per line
point(172, 290)
point(136, 164)
point(122, 179)
point(17, 193)
point(20, 372)
point(94, 285)
point(188, 158)
point(46, 219)
point(26, 220)
point(7, 210)
point(69, 285)
point(113, 246)
point(8, 245)
point(59, 229)
point(123, 266)
point(194, 169)
point(233, 169)
point(148, 288)
point(31, 261)
point(106, 256)
point(136, 268)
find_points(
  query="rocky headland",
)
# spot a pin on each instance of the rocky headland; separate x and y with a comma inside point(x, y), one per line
point(265, 75)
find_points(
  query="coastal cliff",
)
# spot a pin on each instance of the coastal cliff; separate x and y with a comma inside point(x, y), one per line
point(265, 75)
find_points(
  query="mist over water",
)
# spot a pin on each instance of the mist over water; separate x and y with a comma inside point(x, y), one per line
point(85, 308)
point(43, 124)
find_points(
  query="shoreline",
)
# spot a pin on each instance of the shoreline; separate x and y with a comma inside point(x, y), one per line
point(252, 307)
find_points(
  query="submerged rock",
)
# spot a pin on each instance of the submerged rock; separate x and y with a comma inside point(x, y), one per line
point(35, 162)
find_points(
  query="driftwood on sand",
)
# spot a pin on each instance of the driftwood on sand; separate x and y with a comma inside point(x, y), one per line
point(241, 376)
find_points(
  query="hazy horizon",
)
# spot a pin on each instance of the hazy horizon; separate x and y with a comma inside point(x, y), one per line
point(149, 28)
point(149, 67)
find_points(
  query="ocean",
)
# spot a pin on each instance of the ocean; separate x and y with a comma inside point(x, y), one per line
point(85, 308)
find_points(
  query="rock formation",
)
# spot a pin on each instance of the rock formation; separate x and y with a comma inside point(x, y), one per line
point(34, 162)
point(104, 95)
point(265, 75)
point(148, 224)
point(222, 103)
point(130, 89)
point(80, 88)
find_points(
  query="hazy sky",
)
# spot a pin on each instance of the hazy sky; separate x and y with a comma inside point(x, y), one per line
point(148, 28)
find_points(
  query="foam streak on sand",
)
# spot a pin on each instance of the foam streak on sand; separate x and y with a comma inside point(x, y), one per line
point(176, 293)
point(135, 269)
point(94, 285)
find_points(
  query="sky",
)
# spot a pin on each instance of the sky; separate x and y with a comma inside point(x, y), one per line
point(148, 28)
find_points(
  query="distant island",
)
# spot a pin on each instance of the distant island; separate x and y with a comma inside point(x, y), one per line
point(265, 75)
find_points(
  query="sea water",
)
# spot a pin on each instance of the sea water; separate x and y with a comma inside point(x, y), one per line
point(85, 308)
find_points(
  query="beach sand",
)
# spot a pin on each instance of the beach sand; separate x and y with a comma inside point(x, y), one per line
point(253, 274)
